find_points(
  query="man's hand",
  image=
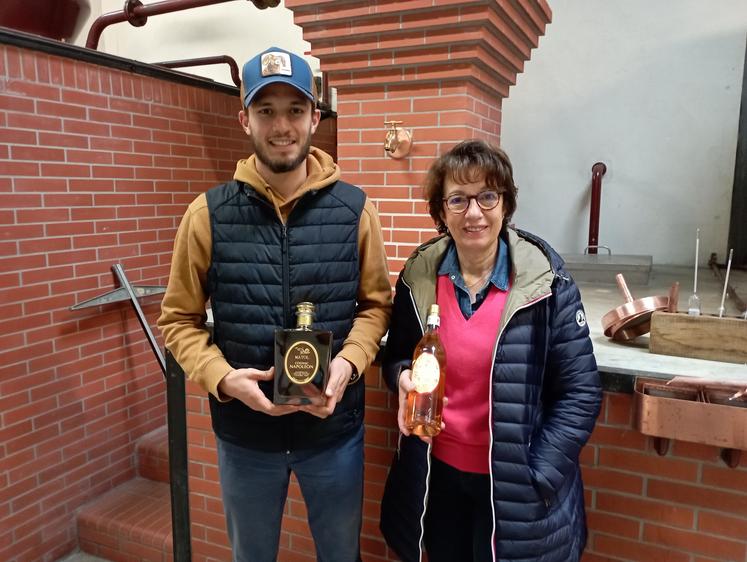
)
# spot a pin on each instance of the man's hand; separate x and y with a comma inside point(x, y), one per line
point(340, 371)
point(405, 386)
point(241, 384)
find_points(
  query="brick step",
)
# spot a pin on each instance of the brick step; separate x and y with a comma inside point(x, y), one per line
point(131, 523)
point(153, 455)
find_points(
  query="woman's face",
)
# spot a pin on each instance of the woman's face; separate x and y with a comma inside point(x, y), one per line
point(475, 230)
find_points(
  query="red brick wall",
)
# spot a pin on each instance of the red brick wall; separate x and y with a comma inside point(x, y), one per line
point(96, 167)
point(686, 506)
point(439, 115)
point(325, 136)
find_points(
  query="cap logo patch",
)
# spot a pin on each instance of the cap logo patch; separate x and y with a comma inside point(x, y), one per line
point(276, 63)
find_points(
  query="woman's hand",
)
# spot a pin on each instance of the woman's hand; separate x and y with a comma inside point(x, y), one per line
point(405, 386)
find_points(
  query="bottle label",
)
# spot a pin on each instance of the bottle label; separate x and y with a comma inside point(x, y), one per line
point(301, 362)
point(425, 373)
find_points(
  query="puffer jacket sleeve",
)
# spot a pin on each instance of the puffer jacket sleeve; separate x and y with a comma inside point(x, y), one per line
point(404, 334)
point(571, 392)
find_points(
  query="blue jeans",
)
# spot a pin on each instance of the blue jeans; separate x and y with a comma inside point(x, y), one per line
point(254, 486)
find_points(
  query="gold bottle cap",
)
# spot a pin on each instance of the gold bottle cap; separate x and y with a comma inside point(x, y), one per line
point(304, 314)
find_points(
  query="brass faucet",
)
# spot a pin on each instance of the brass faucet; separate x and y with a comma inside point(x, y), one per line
point(397, 142)
point(391, 142)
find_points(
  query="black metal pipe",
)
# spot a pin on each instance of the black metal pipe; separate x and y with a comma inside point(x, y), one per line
point(217, 59)
point(178, 467)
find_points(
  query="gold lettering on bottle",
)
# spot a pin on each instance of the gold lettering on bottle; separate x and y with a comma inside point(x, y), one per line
point(301, 362)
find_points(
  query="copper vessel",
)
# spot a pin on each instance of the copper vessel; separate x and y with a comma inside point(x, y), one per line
point(632, 319)
point(696, 410)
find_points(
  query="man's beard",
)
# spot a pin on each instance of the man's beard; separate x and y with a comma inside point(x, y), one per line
point(283, 166)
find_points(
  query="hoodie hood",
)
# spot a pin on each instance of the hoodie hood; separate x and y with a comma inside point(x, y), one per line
point(321, 172)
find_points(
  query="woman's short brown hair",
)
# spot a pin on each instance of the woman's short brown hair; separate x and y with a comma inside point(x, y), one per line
point(471, 161)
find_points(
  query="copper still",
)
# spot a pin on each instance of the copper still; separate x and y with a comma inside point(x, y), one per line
point(633, 318)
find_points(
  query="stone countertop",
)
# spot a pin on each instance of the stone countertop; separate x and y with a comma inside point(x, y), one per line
point(633, 358)
point(626, 359)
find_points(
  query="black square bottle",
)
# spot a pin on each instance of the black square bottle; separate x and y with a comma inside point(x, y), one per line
point(302, 357)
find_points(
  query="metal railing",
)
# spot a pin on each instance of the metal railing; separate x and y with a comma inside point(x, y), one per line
point(176, 405)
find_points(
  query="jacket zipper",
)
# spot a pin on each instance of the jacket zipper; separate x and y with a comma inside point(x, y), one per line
point(490, 409)
point(287, 308)
point(490, 422)
point(430, 445)
point(287, 312)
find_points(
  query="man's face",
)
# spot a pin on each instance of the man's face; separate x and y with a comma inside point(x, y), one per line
point(280, 121)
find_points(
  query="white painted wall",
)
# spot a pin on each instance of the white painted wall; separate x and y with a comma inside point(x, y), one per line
point(650, 87)
point(236, 28)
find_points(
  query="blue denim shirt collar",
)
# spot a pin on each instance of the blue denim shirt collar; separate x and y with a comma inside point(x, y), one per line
point(450, 266)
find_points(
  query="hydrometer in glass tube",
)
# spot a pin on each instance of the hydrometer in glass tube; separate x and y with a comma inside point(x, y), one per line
point(693, 303)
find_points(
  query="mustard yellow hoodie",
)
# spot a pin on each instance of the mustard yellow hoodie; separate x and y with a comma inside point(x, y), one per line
point(183, 314)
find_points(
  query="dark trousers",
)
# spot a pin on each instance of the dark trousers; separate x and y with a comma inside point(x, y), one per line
point(458, 519)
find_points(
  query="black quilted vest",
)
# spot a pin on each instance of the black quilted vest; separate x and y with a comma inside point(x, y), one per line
point(260, 270)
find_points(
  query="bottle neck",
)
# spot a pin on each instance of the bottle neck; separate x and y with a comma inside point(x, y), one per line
point(432, 324)
point(304, 321)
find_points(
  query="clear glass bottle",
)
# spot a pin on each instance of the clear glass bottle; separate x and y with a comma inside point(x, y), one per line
point(425, 403)
point(302, 357)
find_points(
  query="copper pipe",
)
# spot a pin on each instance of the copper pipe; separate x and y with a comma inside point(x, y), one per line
point(674, 294)
point(623, 286)
point(137, 14)
point(597, 171)
point(661, 445)
point(217, 59)
point(731, 457)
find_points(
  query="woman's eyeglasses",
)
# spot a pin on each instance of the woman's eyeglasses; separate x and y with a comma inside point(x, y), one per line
point(486, 200)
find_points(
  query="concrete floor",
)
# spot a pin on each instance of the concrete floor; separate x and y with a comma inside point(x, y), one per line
point(81, 557)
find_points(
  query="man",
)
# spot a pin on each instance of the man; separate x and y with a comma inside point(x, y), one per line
point(286, 230)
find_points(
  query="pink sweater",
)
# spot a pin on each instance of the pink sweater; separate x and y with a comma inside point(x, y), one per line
point(465, 441)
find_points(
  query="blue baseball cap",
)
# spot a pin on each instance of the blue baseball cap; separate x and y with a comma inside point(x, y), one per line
point(273, 66)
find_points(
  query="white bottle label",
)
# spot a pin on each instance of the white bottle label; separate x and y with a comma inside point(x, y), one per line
point(425, 373)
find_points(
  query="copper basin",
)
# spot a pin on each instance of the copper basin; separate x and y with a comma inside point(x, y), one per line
point(632, 319)
point(691, 412)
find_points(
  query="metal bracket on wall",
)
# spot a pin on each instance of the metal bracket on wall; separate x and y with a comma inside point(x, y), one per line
point(131, 293)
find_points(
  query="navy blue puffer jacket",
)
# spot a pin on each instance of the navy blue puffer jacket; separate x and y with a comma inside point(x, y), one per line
point(545, 397)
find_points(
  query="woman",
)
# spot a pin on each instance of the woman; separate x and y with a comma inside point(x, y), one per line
point(501, 481)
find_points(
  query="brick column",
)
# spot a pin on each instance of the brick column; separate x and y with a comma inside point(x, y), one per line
point(442, 67)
